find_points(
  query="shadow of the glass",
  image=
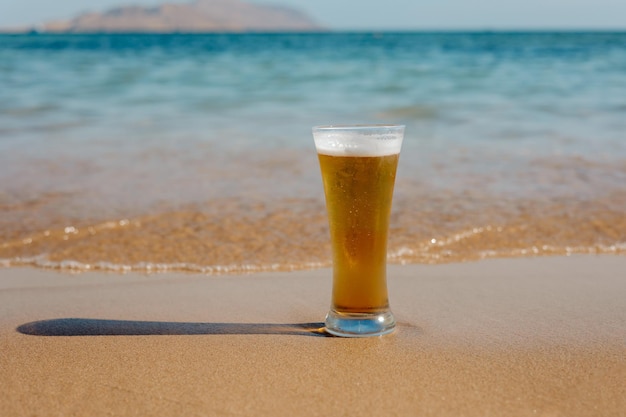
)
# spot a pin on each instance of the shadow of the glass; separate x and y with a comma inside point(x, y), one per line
point(102, 327)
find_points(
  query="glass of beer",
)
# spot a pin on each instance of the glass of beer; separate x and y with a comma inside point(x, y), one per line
point(358, 165)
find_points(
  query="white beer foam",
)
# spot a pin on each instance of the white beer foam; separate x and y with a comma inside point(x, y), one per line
point(358, 141)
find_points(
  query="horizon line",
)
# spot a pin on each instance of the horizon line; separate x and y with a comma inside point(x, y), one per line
point(547, 29)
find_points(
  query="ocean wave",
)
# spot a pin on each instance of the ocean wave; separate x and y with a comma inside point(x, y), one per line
point(279, 241)
point(41, 261)
point(402, 256)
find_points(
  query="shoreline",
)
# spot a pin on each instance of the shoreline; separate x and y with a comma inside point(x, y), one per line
point(235, 236)
point(394, 260)
point(539, 336)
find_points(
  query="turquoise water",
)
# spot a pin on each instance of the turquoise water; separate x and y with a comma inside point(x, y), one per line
point(518, 131)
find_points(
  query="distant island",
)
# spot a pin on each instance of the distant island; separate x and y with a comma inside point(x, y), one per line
point(195, 16)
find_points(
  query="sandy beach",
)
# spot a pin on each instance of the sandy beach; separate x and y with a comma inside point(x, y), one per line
point(515, 337)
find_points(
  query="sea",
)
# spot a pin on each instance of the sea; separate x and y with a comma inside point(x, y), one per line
point(193, 152)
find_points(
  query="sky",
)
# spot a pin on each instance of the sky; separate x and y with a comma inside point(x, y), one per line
point(379, 14)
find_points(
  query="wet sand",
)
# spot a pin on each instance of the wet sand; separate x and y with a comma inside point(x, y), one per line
point(515, 337)
point(232, 236)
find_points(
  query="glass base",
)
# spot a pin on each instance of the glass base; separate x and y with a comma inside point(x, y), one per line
point(359, 324)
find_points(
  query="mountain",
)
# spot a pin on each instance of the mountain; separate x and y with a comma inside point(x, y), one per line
point(196, 16)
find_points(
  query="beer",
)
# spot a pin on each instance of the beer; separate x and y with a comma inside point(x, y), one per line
point(358, 165)
point(358, 192)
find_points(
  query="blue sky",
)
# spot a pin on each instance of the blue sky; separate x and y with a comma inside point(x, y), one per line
point(381, 14)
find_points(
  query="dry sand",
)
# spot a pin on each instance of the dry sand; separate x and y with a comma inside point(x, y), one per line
point(514, 337)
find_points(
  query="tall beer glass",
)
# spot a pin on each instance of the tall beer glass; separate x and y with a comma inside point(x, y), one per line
point(358, 165)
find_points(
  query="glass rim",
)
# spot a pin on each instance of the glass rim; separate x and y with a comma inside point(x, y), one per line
point(365, 126)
